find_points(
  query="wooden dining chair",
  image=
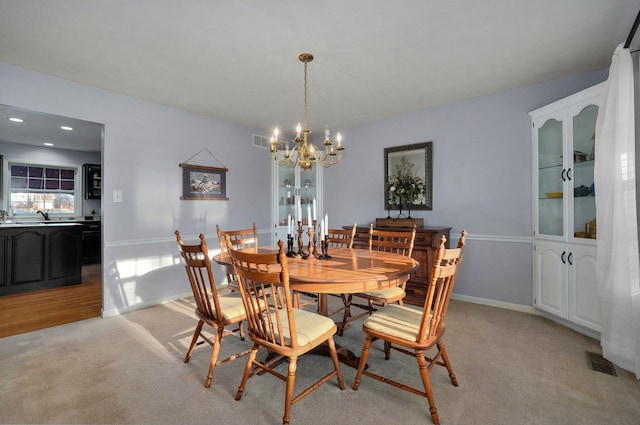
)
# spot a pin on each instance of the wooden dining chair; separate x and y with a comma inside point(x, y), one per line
point(341, 238)
point(243, 238)
point(279, 327)
point(412, 330)
point(394, 241)
point(217, 311)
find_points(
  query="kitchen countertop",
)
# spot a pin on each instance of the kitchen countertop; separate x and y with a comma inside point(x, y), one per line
point(40, 223)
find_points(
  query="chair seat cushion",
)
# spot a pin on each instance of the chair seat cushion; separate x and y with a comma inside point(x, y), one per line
point(309, 326)
point(392, 293)
point(401, 321)
point(231, 305)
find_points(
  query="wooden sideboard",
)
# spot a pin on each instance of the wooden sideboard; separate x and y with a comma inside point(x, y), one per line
point(424, 250)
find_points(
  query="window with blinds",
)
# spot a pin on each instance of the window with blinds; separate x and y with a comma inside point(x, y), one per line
point(42, 187)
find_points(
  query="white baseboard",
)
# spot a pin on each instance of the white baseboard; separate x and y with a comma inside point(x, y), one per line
point(494, 303)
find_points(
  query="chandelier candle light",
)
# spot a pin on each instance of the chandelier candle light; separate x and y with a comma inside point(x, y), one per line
point(303, 153)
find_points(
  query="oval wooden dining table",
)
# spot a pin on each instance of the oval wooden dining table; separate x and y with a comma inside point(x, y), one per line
point(348, 271)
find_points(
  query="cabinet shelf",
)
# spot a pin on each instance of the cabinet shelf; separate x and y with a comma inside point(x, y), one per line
point(551, 167)
point(588, 163)
point(544, 198)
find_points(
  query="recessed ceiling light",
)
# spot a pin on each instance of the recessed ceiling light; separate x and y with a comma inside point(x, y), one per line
point(14, 119)
point(67, 128)
point(48, 144)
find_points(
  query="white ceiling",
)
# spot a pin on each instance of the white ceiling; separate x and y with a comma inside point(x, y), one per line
point(238, 60)
point(39, 128)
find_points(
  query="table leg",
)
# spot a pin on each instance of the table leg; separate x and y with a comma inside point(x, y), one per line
point(345, 356)
point(323, 307)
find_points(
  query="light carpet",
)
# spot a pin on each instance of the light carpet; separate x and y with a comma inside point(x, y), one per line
point(512, 367)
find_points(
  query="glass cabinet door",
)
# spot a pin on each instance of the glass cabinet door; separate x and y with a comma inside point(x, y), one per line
point(286, 194)
point(292, 186)
point(308, 192)
point(584, 202)
point(551, 175)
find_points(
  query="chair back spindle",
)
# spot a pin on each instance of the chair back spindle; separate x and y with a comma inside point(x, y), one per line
point(341, 238)
point(395, 241)
point(242, 238)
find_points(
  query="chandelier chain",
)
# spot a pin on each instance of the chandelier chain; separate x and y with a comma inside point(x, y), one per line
point(305, 97)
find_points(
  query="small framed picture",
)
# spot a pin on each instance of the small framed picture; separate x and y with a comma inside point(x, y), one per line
point(205, 183)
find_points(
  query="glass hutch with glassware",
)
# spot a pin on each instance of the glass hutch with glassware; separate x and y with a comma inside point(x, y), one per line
point(564, 224)
point(293, 194)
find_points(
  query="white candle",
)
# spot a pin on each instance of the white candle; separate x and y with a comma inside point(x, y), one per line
point(298, 209)
point(326, 224)
point(314, 209)
point(289, 224)
point(321, 230)
point(309, 216)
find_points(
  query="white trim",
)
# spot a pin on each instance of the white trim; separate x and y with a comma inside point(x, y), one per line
point(494, 303)
point(169, 239)
point(495, 239)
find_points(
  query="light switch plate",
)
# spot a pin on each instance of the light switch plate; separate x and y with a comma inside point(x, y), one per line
point(117, 196)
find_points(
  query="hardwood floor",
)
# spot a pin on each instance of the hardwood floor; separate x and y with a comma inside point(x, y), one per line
point(42, 309)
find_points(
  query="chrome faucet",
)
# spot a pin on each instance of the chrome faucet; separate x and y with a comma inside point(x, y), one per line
point(44, 214)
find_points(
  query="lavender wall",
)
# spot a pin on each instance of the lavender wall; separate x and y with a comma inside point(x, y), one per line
point(144, 143)
point(482, 180)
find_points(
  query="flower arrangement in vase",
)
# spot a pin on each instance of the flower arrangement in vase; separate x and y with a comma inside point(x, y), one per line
point(404, 187)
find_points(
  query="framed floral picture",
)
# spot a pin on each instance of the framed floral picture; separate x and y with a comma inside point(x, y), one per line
point(408, 173)
point(205, 183)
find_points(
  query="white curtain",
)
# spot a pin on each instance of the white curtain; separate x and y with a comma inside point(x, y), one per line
point(618, 267)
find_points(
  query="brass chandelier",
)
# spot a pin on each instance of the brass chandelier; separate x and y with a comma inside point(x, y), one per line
point(303, 153)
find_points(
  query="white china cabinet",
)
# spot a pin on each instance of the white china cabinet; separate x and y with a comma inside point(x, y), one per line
point(564, 227)
point(290, 186)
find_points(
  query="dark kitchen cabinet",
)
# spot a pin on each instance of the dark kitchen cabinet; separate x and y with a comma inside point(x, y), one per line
point(91, 242)
point(92, 181)
point(39, 257)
